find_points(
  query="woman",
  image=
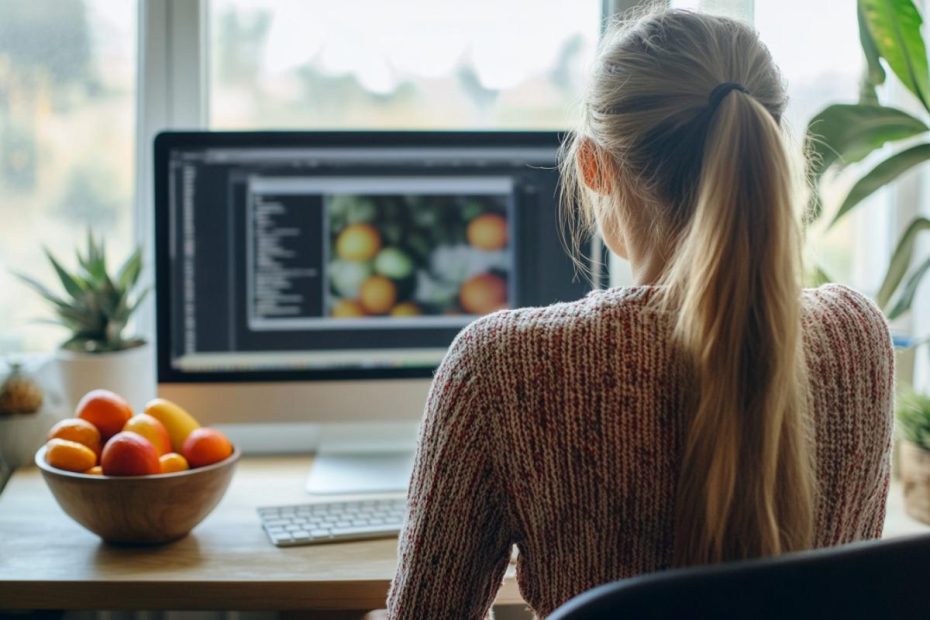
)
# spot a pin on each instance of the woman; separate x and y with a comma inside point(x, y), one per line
point(715, 411)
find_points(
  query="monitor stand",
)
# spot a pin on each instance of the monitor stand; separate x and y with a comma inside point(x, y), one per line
point(360, 459)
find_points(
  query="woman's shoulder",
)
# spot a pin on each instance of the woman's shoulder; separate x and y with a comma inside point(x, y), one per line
point(843, 303)
point(507, 336)
point(599, 305)
point(849, 322)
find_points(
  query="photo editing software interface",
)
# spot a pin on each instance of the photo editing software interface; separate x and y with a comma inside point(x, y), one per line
point(353, 257)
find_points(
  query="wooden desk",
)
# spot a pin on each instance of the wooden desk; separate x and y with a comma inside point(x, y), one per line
point(49, 562)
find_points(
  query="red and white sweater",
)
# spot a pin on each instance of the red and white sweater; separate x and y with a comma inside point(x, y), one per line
point(560, 430)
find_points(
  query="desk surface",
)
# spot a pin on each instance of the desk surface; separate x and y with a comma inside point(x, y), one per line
point(49, 562)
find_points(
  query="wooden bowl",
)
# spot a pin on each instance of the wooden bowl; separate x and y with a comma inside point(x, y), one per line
point(139, 509)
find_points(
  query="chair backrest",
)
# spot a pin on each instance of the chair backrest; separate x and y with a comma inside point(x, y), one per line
point(876, 579)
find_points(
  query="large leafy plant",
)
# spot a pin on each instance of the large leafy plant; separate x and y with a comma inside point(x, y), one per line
point(96, 306)
point(843, 134)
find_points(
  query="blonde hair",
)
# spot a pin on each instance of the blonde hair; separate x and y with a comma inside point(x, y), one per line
point(710, 186)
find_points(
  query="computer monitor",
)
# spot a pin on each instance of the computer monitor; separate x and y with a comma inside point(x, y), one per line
point(319, 277)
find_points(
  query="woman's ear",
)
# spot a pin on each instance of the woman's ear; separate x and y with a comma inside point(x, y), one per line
point(592, 166)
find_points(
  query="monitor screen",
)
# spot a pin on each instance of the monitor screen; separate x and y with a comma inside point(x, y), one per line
point(347, 254)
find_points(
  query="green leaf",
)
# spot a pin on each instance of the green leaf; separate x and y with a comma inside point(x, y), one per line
point(73, 285)
point(900, 260)
point(42, 290)
point(91, 263)
point(137, 302)
point(875, 73)
point(894, 26)
point(881, 175)
point(844, 134)
point(128, 274)
point(906, 298)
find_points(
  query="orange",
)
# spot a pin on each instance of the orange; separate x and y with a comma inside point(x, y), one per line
point(105, 410)
point(173, 462)
point(487, 232)
point(407, 308)
point(205, 446)
point(96, 470)
point(153, 430)
point(129, 454)
point(378, 294)
point(358, 242)
point(483, 293)
point(347, 309)
point(69, 455)
point(76, 429)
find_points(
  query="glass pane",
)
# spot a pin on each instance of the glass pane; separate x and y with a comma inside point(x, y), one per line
point(67, 134)
point(399, 64)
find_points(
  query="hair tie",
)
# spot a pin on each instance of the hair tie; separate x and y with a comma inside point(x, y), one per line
point(720, 91)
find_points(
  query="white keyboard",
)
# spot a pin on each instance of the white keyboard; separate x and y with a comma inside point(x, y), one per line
point(310, 524)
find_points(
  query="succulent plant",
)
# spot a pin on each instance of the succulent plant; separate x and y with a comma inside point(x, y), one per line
point(96, 306)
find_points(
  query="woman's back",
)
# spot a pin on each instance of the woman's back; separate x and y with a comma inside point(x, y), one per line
point(716, 413)
point(561, 430)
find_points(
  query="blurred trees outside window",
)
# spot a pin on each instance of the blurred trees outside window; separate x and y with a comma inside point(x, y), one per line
point(67, 144)
point(404, 64)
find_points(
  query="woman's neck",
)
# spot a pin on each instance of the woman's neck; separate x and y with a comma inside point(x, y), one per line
point(647, 267)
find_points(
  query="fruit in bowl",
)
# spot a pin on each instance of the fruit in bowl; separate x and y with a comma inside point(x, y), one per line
point(155, 476)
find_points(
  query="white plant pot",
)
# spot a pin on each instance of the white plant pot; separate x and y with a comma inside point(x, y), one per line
point(129, 373)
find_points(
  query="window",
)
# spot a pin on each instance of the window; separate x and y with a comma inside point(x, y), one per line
point(67, 145)
point(68, 85)
point(402, 64)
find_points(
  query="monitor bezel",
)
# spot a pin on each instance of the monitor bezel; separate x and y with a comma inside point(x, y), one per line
point(166, 141)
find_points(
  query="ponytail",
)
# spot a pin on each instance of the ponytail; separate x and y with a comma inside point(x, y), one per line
point(684, 108)
point(746, 487)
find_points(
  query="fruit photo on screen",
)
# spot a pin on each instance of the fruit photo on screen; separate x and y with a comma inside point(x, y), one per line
point(417, 255)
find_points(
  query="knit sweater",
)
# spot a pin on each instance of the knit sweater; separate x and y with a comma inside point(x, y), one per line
point(560, 430)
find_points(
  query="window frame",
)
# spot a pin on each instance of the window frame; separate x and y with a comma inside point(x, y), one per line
point(172, 70)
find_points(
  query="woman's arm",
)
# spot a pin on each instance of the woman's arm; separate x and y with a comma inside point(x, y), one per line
point(455, 545)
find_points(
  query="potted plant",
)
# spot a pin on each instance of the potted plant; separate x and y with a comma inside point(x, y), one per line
point(913, 415)
point(842, 135)
point(96, 308)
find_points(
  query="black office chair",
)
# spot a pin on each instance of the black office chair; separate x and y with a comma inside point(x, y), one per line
point(875, 580)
